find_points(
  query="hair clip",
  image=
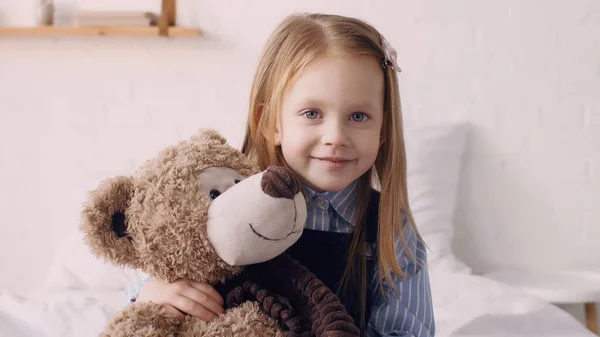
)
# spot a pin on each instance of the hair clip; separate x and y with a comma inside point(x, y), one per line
point(391, 56)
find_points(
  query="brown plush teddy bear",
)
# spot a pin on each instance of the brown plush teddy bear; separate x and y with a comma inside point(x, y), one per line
point(202, 211)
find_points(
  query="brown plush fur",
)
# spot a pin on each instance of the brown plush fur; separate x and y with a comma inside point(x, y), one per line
point(245, 320)
point(150, 320)
point(165, 213)
point(155, 221)
point(163, 233)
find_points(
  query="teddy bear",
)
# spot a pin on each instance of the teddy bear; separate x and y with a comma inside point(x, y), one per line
point(203, 211)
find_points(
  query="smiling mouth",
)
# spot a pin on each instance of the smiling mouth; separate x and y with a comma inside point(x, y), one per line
point(292, 232)
point(272, 239)
point(333, 160)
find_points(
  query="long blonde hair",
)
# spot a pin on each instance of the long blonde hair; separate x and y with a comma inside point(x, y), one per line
point(294, 44)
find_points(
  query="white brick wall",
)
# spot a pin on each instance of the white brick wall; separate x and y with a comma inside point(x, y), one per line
point(525, 73)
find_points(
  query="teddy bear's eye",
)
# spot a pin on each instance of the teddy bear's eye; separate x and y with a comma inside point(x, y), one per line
point(214, 194)
point(236, 181)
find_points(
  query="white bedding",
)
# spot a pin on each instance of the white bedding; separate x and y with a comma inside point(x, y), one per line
point(471, 305)
point(465, 305)
point(80, 295)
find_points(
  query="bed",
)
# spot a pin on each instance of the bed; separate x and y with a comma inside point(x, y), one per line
point(80, 294)
point(80, 297)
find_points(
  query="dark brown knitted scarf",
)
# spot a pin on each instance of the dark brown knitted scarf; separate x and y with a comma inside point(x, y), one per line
point(292, 295)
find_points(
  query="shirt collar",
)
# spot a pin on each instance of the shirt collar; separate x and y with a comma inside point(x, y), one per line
point(344, 202)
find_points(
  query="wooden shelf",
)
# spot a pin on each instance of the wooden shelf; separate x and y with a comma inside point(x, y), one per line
point(166, 27)
point(108, 31)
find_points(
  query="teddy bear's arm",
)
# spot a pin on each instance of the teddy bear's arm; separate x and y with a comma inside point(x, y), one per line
point(143, 320)
point(244, 320)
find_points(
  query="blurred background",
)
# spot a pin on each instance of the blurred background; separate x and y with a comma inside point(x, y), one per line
point(524, 76)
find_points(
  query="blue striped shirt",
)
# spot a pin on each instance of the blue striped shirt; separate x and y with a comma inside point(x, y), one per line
point(407, 309)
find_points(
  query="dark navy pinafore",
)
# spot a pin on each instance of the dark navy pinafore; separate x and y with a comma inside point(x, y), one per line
point(325, 254)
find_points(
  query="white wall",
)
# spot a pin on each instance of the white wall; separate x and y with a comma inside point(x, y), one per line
point(524, 73)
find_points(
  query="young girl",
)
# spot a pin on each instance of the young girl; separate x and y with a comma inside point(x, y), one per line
point(325, 103)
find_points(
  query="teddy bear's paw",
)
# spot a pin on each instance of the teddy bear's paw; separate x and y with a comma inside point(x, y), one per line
point(143, 320)
point(245, 320)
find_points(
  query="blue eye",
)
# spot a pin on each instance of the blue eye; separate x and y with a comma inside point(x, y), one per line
point(359, 116)
point(311, 114)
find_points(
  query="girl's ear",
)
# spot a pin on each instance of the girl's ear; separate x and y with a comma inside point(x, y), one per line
point(277, 139)
point(381, 137)
point(104, 222)
point(278, 135)
point(266, 132)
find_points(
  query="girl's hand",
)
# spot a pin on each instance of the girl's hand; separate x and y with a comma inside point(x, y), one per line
point(184, 297)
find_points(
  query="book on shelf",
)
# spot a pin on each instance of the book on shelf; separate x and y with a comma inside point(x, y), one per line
point(114, 18)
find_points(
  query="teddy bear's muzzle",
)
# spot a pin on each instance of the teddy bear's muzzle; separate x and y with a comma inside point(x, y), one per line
point(258, 218)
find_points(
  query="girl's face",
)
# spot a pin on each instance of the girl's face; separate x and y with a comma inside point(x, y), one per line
point(330, 124)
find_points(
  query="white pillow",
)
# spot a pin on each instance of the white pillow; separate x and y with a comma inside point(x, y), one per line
point(434, 155)
point(76, 268)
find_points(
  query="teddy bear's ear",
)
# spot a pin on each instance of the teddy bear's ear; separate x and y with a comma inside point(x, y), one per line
point(104, 222)
point(205, 135)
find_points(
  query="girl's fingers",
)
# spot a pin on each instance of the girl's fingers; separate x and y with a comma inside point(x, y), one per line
point(209, 290)
point(193, 308)
point(203, 299)
point(171, 311)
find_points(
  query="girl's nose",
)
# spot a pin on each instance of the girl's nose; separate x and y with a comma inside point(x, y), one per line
point(334, 134)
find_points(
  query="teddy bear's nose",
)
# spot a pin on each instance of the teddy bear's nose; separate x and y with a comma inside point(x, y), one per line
point(279, 182)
